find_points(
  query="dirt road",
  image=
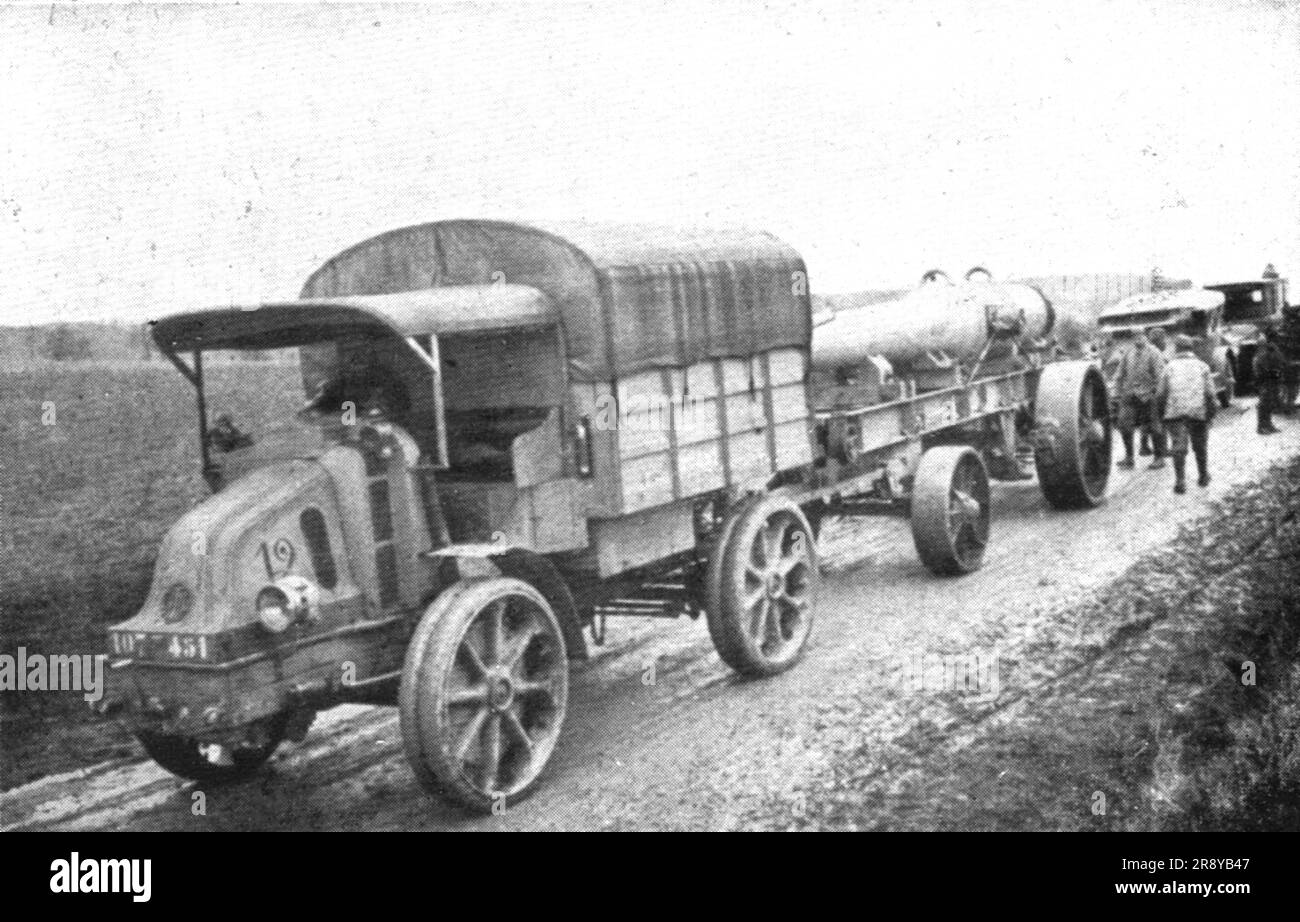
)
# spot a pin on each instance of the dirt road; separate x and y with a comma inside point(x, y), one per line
point(696, 747)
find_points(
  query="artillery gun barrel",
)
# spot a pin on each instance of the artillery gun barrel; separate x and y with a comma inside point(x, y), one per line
point(938, 317)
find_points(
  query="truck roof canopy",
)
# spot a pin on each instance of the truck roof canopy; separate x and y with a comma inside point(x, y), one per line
point(629, 297)
point(312, 320)
point(1161, 302)
point(1247, 285)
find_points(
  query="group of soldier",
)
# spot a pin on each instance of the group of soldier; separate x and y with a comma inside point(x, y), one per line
point(1164, 393)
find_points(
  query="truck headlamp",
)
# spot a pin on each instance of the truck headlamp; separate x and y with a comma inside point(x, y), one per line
point(290, 600)
point(273, 609)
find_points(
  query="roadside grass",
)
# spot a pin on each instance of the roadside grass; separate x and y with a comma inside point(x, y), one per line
point(1148, 725)
point(84, 504)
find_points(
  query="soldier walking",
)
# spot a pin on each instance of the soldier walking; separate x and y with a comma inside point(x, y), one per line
point(1268, 381)
point(1186, 400)
point(1112, 352)
point(1149, 437)
point(1136, 382)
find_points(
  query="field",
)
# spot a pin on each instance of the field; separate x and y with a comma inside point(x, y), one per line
point(96, 462)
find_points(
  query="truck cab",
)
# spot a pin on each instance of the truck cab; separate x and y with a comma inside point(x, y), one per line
point(1192, 312)
point(1249, 306)
point(427, 419)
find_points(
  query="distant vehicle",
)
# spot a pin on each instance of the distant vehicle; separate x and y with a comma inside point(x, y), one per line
point(1192, 312)
point(1251, 305)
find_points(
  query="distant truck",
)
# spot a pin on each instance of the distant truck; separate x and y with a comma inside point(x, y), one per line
point(1249, 306)
point(1193, 312)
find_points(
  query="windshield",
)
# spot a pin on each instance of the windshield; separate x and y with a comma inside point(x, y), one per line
point(254, 400)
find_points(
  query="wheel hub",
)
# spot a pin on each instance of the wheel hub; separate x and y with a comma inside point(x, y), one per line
point(775, 585)
point(501, 692)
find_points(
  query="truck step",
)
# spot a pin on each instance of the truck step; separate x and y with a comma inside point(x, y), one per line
point(648, 600)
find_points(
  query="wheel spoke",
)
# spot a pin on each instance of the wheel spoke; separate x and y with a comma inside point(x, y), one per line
point(494, 628)
point(773, 626)
point(470, 734)
point(472, 659)
point(492, 752)
point(534, 687)
point(475, 694)
point(515, 651)
point(758, 619)
point(798, 603)
point(516, 730)
point(960, 512)
point(967, 516)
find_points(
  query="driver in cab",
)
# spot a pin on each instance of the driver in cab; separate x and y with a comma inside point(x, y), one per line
point(364, 387)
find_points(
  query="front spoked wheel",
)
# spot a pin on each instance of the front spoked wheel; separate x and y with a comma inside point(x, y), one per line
point(484, 692)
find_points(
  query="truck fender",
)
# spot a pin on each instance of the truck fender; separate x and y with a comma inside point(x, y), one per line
point(532, 568)
point(540, 573)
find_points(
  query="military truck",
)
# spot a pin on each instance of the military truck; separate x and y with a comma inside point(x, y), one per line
point(1250, 306)
point(513, 434)
point(1194, 312)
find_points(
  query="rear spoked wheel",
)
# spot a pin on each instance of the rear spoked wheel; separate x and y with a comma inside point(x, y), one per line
point(762, 586)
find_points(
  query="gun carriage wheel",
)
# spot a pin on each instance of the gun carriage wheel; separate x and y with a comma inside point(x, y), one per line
point(950, 510)
point(1073, 435)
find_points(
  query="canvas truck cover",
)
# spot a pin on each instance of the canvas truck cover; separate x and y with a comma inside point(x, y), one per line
point(275, 324)
point(630, 297)
point(1156, 308)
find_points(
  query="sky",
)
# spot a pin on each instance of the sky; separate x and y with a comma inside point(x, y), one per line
point(157, 158)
